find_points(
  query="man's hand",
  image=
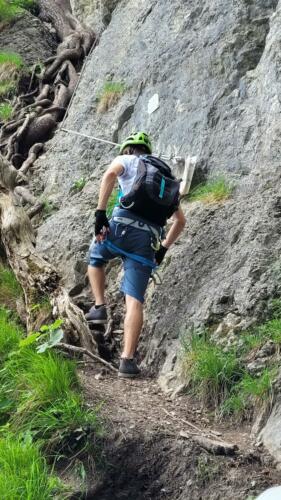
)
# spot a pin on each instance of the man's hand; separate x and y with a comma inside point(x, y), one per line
point(160, 254)
point(101, 224)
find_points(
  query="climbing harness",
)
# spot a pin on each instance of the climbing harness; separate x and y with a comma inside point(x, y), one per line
point(137, 258)
point(127, 221)
point(157, 235)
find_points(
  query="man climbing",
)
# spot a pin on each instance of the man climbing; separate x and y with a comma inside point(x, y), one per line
point(149, 195)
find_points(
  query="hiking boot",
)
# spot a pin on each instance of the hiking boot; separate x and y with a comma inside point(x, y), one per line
point(128, 368)
point(97, 316)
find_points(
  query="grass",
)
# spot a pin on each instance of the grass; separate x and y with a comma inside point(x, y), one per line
point(112, 202)
point(11, 65)
point(11, 58)
point(41, 392)
point(23, 471)
point(258, 335)
point(221, 379)
point(250, 391)
point(43, 417)
point(10, 334)
point(110, 95)
point(10, 289)
point(26, 4)
point(7, 88)
point(213, 191)
point(6, 110)
point(211, 371)
point(9, 10)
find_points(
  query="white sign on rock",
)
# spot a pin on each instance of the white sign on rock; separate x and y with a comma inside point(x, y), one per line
point(153, 104)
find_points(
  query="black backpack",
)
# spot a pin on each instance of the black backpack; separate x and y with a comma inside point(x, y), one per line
point(155, 193)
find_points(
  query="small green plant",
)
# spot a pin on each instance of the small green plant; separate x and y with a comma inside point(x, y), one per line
point(48, 208)
point(6, 111)
point(10, 289)
point(213, 191)
point(53, 334)
point(44, 306)
point(206, 469)
point(110, 95)
point(112, 202)
point(78, 185)
point(24, 472)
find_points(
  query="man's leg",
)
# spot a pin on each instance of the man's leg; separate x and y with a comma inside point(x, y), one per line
point(97, 281)
point(132, 326)
point(97, 313)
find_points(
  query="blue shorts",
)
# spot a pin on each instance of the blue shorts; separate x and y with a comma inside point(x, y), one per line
point(131, 240)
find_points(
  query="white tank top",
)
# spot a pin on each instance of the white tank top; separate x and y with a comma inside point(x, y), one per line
point(127, 178)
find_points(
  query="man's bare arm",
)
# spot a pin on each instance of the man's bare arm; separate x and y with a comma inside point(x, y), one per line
point(177, 227)
point(107, 183)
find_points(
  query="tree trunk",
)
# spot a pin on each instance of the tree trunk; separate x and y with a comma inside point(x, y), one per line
point(21, 141)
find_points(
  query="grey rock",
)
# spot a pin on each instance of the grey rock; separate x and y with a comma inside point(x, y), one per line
point(256, 367)
point(268, 349)
point(29, 37)
point(215, 67)
point(270, 436)
point(171, 379)
point(94, 13)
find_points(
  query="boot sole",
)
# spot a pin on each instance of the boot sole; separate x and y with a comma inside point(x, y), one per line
point(97, 321)
point(128, 375)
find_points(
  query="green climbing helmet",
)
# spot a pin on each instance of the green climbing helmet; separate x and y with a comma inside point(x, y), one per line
point(139, 138)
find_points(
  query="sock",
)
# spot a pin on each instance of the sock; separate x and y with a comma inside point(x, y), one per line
point(100, 305)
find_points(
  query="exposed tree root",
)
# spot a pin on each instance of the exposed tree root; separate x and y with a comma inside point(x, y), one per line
point(81, 350)
point(37, 113)
point(35, 117)
point(32, 155)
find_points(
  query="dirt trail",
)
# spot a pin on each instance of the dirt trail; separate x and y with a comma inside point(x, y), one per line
point(146, 458)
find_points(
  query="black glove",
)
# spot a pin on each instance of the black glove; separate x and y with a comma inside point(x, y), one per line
point(101, 221)
point(160, 254)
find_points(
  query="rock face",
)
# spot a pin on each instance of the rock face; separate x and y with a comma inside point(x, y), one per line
point(270, 436)
point(29, 37)
point(95, 13)
point(216, 70)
